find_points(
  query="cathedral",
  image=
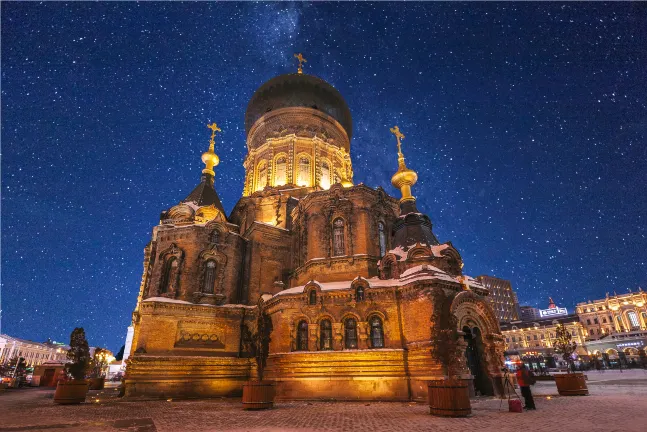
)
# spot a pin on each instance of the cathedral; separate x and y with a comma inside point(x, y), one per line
point(354, 280)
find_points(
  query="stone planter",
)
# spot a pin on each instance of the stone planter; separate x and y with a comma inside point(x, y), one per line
point(258, 395)
point(571, 384)
point(71, 392)
point(96, 383)
point(449, 398)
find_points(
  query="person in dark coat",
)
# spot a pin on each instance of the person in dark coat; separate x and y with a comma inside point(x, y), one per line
point(525, 380)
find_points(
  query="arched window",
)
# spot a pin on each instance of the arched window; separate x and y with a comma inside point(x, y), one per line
point(338, 237)
point(261, 176)
point(382, 237)
point(303, 173)
point(209, 277)
point(302, 336)
point(312, 299)
point(168, 274)
point(633, 320)
point(325, 175)
point(359, 293)
point(280, 171)
point(377, 332)
point(325, 337)
point(350, 333)
point(619, 320)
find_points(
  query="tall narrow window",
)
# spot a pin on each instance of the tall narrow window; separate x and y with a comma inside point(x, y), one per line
point(377, 332)
point(359, 293)
point(338, 237)
point(620, 326)
point(261, 176)
point(312, 300)
point(303, 174)
point(633, 320)
point(168, 274)
point(350, 333)
point(325, 337)
point(280, 171)
point(382, 237)
point(325, 175)
point(302, 336)
point(209, 277)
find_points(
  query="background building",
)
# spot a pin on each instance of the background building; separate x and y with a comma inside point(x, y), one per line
point(34, 353)
point(529, 313)
point(616, 327)
point(533, 341)
point(502, 298)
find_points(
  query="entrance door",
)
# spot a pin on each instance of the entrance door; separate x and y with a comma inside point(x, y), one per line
point(474, 354)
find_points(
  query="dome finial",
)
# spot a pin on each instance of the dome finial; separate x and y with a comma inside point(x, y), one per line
point(301, 60)
point(210, 158)
point(404, 178)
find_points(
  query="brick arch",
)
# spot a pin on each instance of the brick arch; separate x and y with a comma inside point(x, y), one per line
point(467, 306)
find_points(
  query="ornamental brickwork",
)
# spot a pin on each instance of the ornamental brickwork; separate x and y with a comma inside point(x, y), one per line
point(356, 285)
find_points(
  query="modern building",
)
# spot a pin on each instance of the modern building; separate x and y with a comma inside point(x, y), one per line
point(616, 326)
point(34, 353)
point(502, 298)
point(533, 341)
point(355, 283)
point(529, 313)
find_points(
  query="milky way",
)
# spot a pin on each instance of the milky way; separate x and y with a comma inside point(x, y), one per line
point(525, 122)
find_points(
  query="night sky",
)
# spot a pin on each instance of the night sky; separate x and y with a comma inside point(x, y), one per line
point(525, 122)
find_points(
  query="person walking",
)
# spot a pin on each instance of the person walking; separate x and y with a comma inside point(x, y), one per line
point(524, 379)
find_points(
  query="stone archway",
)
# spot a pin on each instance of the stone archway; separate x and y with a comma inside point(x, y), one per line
point(474, 352)
point(475, 314)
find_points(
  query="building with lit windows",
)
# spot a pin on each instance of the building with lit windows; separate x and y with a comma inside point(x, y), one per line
point(34, 353)
point(616, 327)
point(502, 298)
point(532, 341)
point(354, 281)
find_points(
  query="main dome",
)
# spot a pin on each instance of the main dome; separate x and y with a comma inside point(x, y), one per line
point(298, 90)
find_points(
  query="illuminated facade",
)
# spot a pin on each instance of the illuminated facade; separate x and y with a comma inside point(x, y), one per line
point(357, 285)
point(502, 298)
point(34, 353)
point(533, 341)
point(616, 327)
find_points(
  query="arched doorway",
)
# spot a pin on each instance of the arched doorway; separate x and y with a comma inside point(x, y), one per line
point(474, 355)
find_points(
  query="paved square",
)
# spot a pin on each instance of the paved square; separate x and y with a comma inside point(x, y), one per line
point(618, 402)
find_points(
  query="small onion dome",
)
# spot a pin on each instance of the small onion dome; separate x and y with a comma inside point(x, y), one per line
point(298, 90)
point(404, 177)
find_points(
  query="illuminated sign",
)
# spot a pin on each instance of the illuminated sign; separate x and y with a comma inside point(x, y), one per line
point(552, 312)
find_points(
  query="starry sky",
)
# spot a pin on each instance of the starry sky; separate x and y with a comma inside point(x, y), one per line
point(526, 123)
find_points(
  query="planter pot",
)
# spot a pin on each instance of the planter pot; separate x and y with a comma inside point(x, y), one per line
point(96, 383)
point(258, 395)
point(449, 398)
point(71, 392)
point(571, 384)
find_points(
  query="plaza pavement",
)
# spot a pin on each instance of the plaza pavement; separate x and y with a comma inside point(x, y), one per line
point(617, 402)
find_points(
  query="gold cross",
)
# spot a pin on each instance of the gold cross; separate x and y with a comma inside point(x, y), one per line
point(301, 60)
point(398, 136)
point(214, 128)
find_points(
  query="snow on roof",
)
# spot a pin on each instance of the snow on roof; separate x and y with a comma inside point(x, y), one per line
point(422, 272)
point(436, 250)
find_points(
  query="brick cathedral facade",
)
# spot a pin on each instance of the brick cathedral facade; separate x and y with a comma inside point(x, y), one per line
point(354, 280)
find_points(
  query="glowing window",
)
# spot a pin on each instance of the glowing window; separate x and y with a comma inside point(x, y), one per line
point(633, 319)
point(325, 175)
point(303, 177)
point(261, 177)
point(280, 173)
